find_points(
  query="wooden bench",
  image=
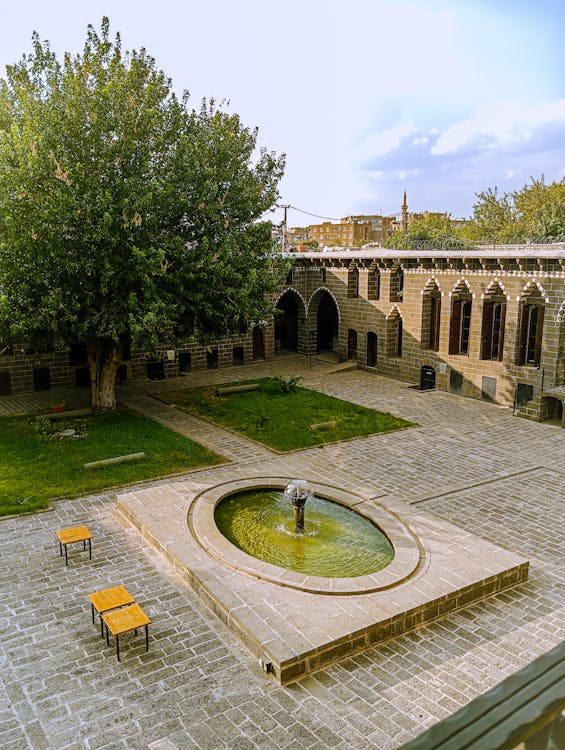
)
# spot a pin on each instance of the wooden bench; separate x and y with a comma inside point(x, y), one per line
point(71, 536)
point(108, 599)
point(124, 620)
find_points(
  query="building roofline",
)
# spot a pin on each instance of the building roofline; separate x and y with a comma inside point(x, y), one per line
point(552, 250)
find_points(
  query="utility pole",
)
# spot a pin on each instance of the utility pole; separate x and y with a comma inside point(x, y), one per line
point(285, 209)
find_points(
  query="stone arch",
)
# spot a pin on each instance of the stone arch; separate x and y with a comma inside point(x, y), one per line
point(431, 284)
point(394, 332)
point(311, 305)
point(396, 283)
point(493, 322)
point(289, 320)
point(460, 317)
point(533, 288)
point(374, 282)
point(462, 287)
point(496, 286)
point(372, 349)
point(431, 315)
point(323, 319)
point(353, 280)
point(531, 313)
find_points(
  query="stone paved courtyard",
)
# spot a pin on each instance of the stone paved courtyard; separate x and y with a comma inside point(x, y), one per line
point(469, 462)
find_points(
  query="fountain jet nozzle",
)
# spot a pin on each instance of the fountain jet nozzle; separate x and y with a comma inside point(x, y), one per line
point(298, 491)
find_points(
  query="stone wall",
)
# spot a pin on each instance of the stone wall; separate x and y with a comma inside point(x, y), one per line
point(24, 373)
point(506, 382)
point(375, 291)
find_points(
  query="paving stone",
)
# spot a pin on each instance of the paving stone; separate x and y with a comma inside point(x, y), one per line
point(469, 462)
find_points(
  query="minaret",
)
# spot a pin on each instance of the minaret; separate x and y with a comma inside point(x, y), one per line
point(404, 215)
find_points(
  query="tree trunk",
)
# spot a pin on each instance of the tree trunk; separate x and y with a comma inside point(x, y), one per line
point(103, 362)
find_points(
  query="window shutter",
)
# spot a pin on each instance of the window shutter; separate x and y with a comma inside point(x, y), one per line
point(486, 330)
point(455, 327)
point(501, 334)
point(437, 314)
point(523, 328)
point(539, 335)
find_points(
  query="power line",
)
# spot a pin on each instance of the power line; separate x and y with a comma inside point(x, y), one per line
point(316, 216)
point(329, 218)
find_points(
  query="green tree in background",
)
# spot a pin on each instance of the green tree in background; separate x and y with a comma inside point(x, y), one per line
point(125, 216)
point(534, 213)
point(429, 232)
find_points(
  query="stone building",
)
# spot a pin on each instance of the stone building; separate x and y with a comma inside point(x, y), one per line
point(487, 323)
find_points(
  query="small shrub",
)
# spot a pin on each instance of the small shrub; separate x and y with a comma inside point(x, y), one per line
point(288, 385)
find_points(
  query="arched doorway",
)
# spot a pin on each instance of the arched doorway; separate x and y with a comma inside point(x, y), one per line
point(258, 343)
point(371, 349)
point(286, 323)
point(352, 344)
point(328, 323)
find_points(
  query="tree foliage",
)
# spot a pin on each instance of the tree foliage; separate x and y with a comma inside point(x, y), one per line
point(124, 214)
point(534, 213)
point(433, 232)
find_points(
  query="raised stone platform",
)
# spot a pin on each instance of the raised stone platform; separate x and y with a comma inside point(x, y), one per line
point(295, 625)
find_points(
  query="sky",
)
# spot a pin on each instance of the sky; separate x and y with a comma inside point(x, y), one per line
point(367, 98)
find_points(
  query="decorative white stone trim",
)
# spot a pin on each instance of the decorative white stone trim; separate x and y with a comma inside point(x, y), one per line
point(318, 292)
point(394, 309)
point(534, 283)
point(295, 291)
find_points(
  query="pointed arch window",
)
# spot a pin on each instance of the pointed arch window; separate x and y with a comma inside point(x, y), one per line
point(394, 334)
point(374, 283)
point(531, 315)
point(396, 284)
point(431, 317)
point(460, 321)
point(371, 349)
point(353, 281)
point(493, 324)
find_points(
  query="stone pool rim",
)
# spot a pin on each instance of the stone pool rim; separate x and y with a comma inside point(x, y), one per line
point(409, 555)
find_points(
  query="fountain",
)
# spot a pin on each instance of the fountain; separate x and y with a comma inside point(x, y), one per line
point(336, 541)
point(298, 491)
point(298, 619)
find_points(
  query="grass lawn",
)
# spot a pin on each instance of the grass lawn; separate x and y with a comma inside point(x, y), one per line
point(282, 420)
point(36, 467)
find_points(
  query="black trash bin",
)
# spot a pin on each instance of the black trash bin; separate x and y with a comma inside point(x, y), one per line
point(427, 378)
point(155, 369)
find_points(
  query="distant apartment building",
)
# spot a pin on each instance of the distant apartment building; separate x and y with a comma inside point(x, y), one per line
point(296, 236)
point(360, 229)
point(351, 230)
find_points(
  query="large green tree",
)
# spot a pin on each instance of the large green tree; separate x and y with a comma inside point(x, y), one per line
point(126, 217)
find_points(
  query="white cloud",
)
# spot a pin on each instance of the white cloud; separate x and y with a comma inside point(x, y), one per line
point(499, 124)
point(510, 173)
point(385, 141)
